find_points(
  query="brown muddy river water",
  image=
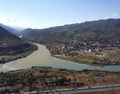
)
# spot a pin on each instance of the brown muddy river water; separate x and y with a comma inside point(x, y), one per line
point(42, 57)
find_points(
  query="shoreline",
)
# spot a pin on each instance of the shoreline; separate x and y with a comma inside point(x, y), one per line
point(108, 56)
point(79, 62)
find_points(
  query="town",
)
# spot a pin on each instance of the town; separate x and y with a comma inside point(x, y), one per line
point(95, 50)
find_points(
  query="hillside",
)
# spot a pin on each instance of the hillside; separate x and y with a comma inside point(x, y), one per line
point(47, 78)
point(94, 42)
point(106, 32)
point(10, 29)
point(12, 47)
point(8, 39)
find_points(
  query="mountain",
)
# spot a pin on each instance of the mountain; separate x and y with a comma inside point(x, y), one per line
point(13, 45)
point(8, 39)
point(18, 29)
point(11, 29)
point(104, 32)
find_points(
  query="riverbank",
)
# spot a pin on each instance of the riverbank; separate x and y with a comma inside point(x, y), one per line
point(42, 57)
point(11, 57)
point(46, 78)
point(104, 57)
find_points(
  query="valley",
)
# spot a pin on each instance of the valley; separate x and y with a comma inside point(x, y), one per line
point(59, 46)
point(54, 58)
point(95, 42)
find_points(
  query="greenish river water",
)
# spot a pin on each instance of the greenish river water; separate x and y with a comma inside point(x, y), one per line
point(42, 57)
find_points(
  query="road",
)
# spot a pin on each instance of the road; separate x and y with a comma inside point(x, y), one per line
point(76, 90)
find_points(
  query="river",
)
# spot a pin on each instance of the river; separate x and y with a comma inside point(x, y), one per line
point(42, 57)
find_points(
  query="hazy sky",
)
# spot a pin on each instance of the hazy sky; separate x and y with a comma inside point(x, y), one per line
point(47, 13)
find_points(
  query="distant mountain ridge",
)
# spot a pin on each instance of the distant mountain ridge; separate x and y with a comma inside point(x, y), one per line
point(105, 32)
point(9, 29)
point(8, 39)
